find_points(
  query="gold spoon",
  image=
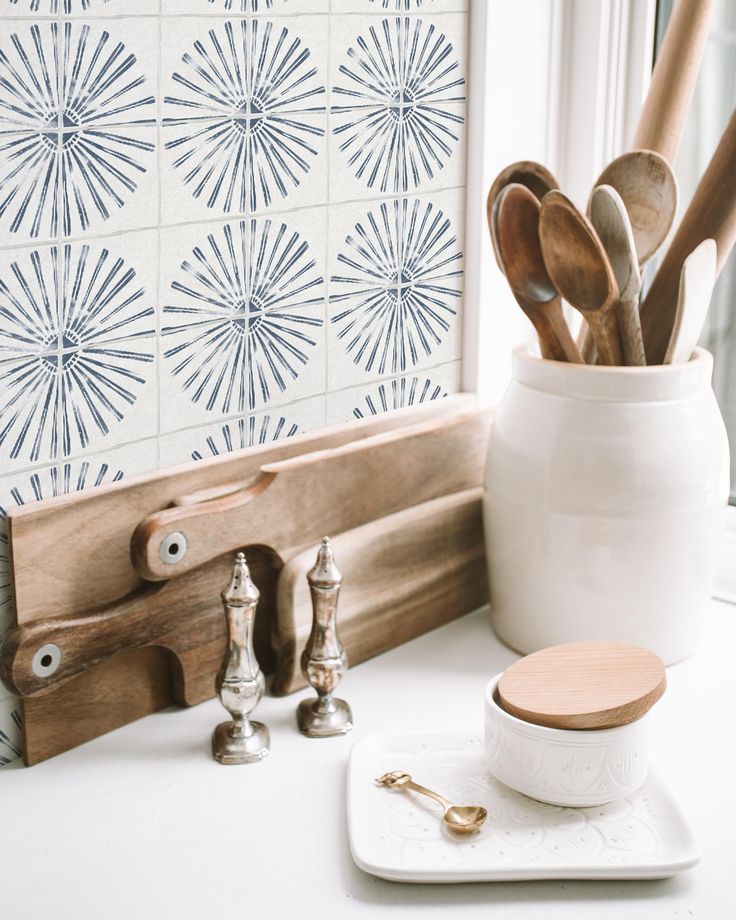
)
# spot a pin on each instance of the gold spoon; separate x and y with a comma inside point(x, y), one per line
point(462, 819)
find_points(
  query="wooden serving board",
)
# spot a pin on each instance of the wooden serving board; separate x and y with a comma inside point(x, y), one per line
point(131, 645)
point(403, 573)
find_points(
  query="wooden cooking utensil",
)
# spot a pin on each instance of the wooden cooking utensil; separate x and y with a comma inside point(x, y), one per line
point(648, 189)
point(710, 214)
point(537, 178)
point(673, 80)
point(696, 287)
point(608, 215)
point(580, 270)
point(583, 685)
point(515, 231)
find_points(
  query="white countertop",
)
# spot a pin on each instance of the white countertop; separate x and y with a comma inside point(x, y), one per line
point(142, 823)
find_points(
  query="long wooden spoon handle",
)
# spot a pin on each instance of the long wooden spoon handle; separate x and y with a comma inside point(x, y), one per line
point(632, 341)
point(711, 213)
point(674, 78)
point(605, 332)
point(555, 340)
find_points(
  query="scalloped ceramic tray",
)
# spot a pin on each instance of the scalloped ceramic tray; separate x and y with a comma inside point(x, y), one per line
point(399, 836)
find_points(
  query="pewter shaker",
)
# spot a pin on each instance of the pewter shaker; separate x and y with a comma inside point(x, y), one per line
point(240, 683)
point(324, 660)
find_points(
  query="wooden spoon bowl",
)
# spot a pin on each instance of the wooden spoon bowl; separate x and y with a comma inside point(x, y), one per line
point(648, 188)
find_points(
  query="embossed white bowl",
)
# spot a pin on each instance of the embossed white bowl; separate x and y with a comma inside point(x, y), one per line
point(571, 768)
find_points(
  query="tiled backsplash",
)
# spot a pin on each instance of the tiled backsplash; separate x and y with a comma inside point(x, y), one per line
point(222, 222)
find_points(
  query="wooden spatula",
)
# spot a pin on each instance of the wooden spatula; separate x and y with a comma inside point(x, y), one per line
point(583, 685)
point(696, 287)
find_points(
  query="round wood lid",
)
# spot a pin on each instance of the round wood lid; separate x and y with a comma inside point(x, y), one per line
point(583, 685)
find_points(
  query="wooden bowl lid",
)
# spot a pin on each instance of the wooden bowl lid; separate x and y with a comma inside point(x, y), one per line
point(583, 685)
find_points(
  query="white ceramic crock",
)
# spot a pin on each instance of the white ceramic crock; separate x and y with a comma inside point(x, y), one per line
point(571, 768)
point(604, 504)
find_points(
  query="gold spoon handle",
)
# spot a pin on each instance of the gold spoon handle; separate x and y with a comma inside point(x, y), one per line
point(399, 780)
point(432, 795)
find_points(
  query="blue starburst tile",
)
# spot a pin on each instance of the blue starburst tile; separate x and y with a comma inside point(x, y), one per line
point(243, 317)
point(73, 99)
point(77, 326)
point(393, 393)
point(234, 434)
point(397, 106)
point(244, 114)
point(395, 287)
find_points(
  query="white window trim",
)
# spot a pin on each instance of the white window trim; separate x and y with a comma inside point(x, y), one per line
point(593, 66)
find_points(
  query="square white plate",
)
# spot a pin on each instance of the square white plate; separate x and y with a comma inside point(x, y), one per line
point(399, 836)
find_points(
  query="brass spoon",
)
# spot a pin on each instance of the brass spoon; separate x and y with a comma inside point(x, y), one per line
point(515, 234)
point(580, 270)
point(462, 819)
point(648, 188)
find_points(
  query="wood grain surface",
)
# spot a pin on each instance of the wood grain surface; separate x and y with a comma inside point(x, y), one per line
point(297, 501)
point(673, 81)
point(403, 574)
point(583, 685)
point(710, 214)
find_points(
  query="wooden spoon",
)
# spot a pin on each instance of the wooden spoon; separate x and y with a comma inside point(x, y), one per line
point(696, 287)
point(608, 215)
point(580, 270)
point(515, 231)
point(537, 178)
point(710, 214)
point(648, 188)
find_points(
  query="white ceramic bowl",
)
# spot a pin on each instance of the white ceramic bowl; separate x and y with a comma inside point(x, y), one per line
point(571, 768)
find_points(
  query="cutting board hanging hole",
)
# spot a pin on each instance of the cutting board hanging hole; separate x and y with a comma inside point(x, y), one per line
point(173, 548)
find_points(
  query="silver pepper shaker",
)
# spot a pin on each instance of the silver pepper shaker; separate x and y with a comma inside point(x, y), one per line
point(240, 683)
point(324, 660)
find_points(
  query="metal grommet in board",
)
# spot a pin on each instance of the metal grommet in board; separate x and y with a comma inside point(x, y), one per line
point(46, 660)
point(173, 548)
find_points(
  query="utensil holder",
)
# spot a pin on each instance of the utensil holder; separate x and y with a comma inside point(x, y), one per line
point(604, 501)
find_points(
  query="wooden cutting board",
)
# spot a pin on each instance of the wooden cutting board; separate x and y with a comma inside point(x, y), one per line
point(400, 573)
point(131, 646)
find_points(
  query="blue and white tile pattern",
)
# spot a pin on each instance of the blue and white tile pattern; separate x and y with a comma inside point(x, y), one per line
point(222, 223)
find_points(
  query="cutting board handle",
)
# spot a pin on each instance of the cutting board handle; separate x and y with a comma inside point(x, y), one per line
point(299, 500)
point(43, 655)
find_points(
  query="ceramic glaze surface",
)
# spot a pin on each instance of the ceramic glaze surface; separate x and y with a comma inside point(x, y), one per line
point(572, 768)
point(397, 836)
point(604, 504)
point(222, 223)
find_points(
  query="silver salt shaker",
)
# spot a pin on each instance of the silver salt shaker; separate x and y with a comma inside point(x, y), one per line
point(240, 683)
point(324, 660)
